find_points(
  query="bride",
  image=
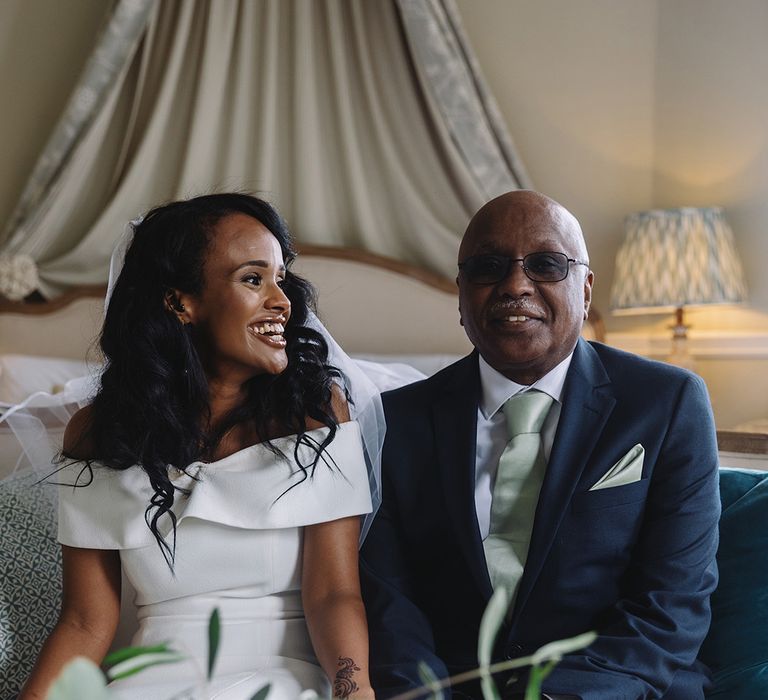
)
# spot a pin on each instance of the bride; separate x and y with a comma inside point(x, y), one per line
point(217, 466)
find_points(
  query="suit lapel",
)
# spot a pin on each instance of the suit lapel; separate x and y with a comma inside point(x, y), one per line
point(587, 403)
point(454, 413)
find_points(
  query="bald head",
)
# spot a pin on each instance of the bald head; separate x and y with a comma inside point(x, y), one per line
point(524, 210)
point(524, 327)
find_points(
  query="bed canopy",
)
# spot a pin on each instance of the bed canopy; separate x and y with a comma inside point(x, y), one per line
point(367, 123)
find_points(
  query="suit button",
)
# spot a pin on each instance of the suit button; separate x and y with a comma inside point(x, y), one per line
point(513, 651)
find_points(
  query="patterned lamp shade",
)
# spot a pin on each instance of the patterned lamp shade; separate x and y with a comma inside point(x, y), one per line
point(676, 257)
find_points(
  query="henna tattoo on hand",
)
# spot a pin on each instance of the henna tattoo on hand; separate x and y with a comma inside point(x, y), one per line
point(343, 685)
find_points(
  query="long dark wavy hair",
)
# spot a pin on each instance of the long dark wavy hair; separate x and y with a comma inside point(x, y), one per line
point(152, 408)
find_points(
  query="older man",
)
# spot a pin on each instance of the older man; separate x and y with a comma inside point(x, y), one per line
point(580, 478)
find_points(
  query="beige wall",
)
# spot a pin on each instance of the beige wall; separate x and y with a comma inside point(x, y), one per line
point(575, 83)
point(43, 46)
point(619, 105)
point(712, 148)
point(712, 123)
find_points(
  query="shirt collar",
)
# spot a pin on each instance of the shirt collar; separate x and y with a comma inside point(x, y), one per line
point(496, 389)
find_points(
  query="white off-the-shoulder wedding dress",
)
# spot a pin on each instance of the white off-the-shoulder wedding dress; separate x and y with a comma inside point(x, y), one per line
point(238, 549)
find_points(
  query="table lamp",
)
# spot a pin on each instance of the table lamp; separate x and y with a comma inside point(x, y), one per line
point(673, 258)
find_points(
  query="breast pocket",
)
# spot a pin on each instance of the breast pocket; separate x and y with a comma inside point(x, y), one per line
point(611, 497)
point(603, 526)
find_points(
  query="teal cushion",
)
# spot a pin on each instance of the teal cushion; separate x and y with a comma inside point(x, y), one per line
point(736, 648)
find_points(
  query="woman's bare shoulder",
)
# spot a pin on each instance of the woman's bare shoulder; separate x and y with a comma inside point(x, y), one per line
point(340, 408)
point(78, 440)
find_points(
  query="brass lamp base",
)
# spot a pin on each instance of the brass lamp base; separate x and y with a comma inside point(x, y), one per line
point(679, 356)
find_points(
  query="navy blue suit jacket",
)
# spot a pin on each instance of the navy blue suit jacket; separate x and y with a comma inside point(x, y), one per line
point(634, 562)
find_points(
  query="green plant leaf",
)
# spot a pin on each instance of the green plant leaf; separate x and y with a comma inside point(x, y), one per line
point(130, 652)
point(429, 679)
point(262, 692)
point(535, 678)
point(547, 669)
point(493, 618)
point(214, 633)
point(533, 689)
point(80, 679)
point(554, 651)
point(138, 663)
point(544, 660)
point(488, 687)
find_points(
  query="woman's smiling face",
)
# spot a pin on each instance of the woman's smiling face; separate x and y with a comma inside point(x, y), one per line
point(239, 317)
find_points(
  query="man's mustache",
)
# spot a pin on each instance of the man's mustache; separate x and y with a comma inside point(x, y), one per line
point(517, 307)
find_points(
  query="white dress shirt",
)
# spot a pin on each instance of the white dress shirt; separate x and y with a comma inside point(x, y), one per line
point(492, 438)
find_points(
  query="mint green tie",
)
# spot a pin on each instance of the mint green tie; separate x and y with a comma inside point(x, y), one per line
point(516, 491)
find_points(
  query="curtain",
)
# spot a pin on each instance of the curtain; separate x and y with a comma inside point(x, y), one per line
point(331, 109)
point(459, 97)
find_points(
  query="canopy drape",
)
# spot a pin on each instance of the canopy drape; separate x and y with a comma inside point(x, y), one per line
point(366, 123)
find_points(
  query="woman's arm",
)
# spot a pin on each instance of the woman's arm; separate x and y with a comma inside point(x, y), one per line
point(330, 591)
point(333, 605)
point(90, 611)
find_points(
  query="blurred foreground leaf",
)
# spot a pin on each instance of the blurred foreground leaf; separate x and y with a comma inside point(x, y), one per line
point(80, 679)
point(548, 656)
point(214, 634)
point(535, 679)
point(493, 618)
point(429, 679)
point(139, 662)
point(262, 692)
point(130, 652)
point(554, 651)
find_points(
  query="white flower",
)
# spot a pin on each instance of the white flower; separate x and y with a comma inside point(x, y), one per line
point(18, 276)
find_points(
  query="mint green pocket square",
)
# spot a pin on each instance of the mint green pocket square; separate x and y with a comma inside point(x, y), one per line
point(627, 470)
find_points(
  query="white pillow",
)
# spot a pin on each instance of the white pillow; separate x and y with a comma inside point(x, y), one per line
point(22, 375)
point(427, 364)
point(390, 375)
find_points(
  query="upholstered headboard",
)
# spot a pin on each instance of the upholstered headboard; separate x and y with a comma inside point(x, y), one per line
point(370, 303)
